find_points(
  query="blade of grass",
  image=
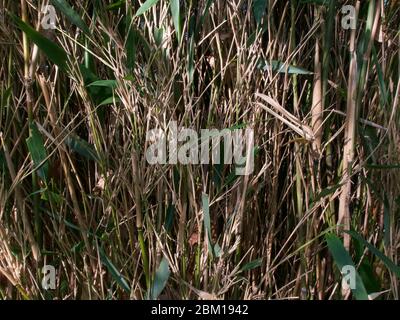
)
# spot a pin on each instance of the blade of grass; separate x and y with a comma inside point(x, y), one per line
point(117, 276)
point(160, 279)
point(71, 15)
point(145, 6)
point(389, 263)
point(342, 259)
point(176, 16)
point(55, 53)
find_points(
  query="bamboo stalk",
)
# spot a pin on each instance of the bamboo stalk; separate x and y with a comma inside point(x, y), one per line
point(29, 107)
point(19, 202)
point(300, 282)
point(139, 218)
point(349, 137)
point(317, 107)
point(355, 92)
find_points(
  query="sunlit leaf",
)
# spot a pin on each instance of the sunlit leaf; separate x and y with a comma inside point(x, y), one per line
point(146, 6)
point(160, 279)
point(280, 67)
point(176, 17)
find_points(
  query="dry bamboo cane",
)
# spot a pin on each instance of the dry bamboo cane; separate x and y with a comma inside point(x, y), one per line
point(349, 137)
point(29, 106)
point(64, 164)
point(139, 217)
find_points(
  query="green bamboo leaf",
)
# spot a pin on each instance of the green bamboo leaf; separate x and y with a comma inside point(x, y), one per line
point(110, 100)
point(116, 5)
point(48, 195)
point(176, 17)
point(5, 95)
point(132, 40)
point(382, 86)
point(389, 263)
point(252, 265)
point(55, 54)
point(280, 67)
point(104, 83)
point(342, 258)
point(160, 279)
point(98, 94)
point(82, 147)
point(78, 247)
point(37, 151)
point(117, 276)
point(205, 12)
point(169, 220)
point(71, 15)
point(158, 35)
point(146, 6)
point(326, 192)
point(259, 7)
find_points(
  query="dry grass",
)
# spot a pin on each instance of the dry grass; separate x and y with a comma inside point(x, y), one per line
point(327, 150)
